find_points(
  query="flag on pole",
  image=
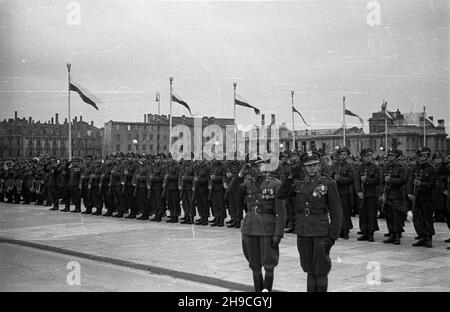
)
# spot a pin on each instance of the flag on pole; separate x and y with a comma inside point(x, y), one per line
point(426, 117)
point(350, 113)
point(384, 109)
point(179, 100)
point(85, 95)
point(242, 102)
point(296, 111)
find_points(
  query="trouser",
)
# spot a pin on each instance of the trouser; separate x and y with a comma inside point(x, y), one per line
point(188, 207)
point(290, 213)
point(203, 205)
point(423, 217)
point(394, 216)
point(2, 197)
point(53, 192)
point(143, 204)
point(73, 194)
point(173, 202)
point(108, 199)
point(346, 212)
point(87, 203)
point(157, 203)
point(259, 252)
point(16, 196)
point(368, 222)
point(218, 204)
point(10, 196)
point(235, 204)
point(116, 194)
point(26, 194)
point(96, 198)
point(127, 201)
point(315, 260)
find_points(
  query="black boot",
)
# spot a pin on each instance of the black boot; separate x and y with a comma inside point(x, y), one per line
point(321, 283)
point(311, 283)
point(397, 239)
point(428, 242)
point(231, 224)
point(187, 220)
point(258, 281)
point(268, 280)
point(108, 213)
point(220, 222)
point(199, 221)
point(370, 237)
point(420, 242)
point(364, 237)
point(98, 212)
point(215, 222)
point(143, 217)
point(390, 239)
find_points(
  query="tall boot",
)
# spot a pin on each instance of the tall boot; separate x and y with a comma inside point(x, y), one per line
point(321, 283)
point(268, 280)
point(258, 280)
point(220, 223)
point(370, 237)
point(396, 239)
point(390, 239)
point(311, 283)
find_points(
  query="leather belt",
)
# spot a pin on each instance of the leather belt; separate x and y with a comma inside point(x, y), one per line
point(313, 211)
point(259, 210)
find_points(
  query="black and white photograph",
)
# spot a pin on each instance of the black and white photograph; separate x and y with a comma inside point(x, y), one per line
point(221, 152)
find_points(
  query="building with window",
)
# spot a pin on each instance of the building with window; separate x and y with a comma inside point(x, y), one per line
point(26, 138)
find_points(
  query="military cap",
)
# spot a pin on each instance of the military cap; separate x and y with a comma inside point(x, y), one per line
point(343, 149)
point(310, 158)
point(365, 151)
point(437, 155)
point(394, 151)
point(424, 149)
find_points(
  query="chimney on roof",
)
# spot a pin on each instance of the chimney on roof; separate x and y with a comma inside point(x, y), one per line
point(441, 123)
point(145, 118)
point(263, 117)
point(29, 120)
point(272, 119)
point(52, 120)
point(65, 120)
point(75, 119)
point(56, 119)
point(92, 123)
point(81, 118)
point(15, 115)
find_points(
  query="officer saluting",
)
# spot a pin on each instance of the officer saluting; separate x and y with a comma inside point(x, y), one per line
point(318, 216)
point(263, 225)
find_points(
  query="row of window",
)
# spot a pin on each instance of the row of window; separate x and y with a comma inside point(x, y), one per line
point(151, 148)
point(144, 137)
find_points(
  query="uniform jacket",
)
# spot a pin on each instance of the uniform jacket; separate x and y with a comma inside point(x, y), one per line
point(346, 177)
point(372, 173)
point(426, 173)
point(397, 179)
point(263, 198)
point(318, 209)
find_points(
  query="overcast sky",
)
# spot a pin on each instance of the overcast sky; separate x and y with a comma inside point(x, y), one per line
point(125, 51)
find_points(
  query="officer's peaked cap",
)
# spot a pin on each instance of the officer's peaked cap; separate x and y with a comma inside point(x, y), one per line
point(366, 151)
point(310, 158)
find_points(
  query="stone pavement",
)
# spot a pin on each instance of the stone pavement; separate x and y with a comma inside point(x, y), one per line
point(217, 253)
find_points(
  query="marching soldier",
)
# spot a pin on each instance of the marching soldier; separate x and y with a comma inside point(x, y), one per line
point(318, 220)
point(217, 191)
point(419, 188)
point(263, 225)
point(185, 182)
point(200, 191)
point(367, 179)
point(393, 180)
point(342, 173)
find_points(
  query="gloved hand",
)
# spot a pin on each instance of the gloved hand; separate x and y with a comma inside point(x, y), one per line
point(276, 241)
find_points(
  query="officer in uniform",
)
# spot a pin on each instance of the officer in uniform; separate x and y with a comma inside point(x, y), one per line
point(439, 198)
point(318, 213)
point(64, 175)
point(115, 185)
point(367, 179)
point(94, 187)
point(420, 187)
point(263, 225)
point(105, 187)
point(217, 190)
point(294, 167)
point(342, 173)
point(200, 191)
point(393, 179)
point(52, 185)
point(85, 185)
point(127, 201)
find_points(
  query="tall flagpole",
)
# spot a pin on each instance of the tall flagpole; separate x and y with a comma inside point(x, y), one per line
point(293, 127)
point(69, 139)
point(385, 130)
point(424, 129)
point(159, 116)
point(234, 117)
point(343, 117)
point(170, 114)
